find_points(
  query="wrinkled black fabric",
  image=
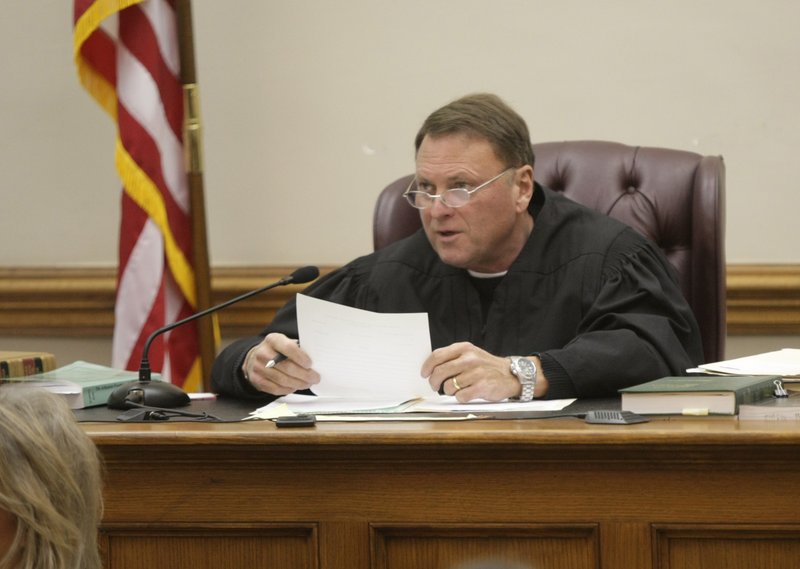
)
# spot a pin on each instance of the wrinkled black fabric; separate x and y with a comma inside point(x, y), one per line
point(597, 300)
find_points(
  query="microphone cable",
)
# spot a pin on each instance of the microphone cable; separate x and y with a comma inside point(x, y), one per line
point(145, 413)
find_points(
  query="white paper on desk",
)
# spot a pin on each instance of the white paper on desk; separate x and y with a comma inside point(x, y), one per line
point(443, 403)
point(300, 404)
point(393, 418)
point(785, 362)
point(364, 355)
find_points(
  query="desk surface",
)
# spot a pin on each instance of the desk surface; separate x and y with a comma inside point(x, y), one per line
point(545, 429)
point(100, 419)
point(675, 492)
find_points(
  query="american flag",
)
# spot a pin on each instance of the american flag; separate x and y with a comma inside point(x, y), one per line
point(127, 57)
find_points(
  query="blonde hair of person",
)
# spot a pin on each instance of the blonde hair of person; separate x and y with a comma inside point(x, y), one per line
point(50, 482)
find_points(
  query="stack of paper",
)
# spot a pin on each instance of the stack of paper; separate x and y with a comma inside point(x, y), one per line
point(785, 363)
point(437, 407)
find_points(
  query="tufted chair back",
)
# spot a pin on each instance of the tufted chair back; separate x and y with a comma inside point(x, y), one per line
point(674, 197)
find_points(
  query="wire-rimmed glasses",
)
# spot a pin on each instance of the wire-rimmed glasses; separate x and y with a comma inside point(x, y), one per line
point(454, 197)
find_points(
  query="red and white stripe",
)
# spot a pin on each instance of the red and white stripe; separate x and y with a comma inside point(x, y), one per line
point(127, 56)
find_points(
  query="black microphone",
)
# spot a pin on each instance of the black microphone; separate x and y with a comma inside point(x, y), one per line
point(162, 394)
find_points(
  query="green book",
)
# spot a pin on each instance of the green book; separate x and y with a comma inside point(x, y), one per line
point(697, 395)
point(82, 384)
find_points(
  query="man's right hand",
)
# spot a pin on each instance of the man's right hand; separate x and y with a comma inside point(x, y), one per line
point(290, 375)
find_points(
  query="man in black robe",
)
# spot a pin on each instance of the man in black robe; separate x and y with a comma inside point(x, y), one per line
point(528, 294)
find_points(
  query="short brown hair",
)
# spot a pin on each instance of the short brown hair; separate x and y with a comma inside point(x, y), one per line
point(486, 116)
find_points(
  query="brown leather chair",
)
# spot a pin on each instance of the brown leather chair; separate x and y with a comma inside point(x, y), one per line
point(674, 197)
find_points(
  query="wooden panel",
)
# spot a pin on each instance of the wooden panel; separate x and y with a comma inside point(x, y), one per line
point(626, 544)
point(176, 545)
point(344, 543)
point(729, 546)
point(567, 546)
point(52, 301)
point(668, 494)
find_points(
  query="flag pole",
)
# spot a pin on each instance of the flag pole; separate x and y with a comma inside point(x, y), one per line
point(207, 328)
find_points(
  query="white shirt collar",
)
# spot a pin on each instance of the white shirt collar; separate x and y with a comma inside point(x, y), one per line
point(478, 275)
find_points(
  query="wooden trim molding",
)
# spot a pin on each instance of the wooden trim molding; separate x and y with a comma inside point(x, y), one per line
point(79, 302)
point(65, 302)
point(763, 299)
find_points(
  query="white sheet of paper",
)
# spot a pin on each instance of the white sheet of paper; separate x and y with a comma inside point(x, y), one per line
point(443, 403)
point(784, 362)
point(300, 404)
point(394, 418)
point(364, 355)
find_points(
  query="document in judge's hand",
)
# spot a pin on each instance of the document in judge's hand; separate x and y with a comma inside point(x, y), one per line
point(364, 355)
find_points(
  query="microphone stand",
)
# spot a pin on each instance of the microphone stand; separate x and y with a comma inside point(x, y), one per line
point(167, 395)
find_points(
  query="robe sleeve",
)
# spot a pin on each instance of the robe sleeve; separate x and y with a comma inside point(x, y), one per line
point(637, 327)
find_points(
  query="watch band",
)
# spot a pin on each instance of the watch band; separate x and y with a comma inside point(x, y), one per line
point(527, 392)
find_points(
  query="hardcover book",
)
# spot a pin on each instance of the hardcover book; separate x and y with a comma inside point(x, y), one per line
point(19, 364)
point(772, 409)
point(82, 384)
point(697, 395)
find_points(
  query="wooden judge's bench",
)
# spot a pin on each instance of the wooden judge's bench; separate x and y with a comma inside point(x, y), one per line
point(557, 493)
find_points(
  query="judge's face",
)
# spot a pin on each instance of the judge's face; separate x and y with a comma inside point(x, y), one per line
point(487, 233)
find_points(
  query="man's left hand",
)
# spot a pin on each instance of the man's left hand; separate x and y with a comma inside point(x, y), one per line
point(468, 372)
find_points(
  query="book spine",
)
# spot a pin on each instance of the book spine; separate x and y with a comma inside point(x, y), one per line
point(32, 365)
point(754, 393)
point(14, 367)
point(26, 365)
point(48, 362)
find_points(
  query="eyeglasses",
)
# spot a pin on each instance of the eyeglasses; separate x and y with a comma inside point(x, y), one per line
point(454, 197)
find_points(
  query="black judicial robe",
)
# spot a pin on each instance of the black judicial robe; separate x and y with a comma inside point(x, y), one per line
point(596, 300)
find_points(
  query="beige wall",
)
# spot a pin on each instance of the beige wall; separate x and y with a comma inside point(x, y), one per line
point(310, 107)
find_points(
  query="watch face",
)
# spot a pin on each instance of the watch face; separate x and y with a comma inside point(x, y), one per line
point(524, 369)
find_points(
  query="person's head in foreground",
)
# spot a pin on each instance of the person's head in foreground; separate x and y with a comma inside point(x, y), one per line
point(50, 484)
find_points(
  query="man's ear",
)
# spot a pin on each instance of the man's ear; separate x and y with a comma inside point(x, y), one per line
point(525, 185)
